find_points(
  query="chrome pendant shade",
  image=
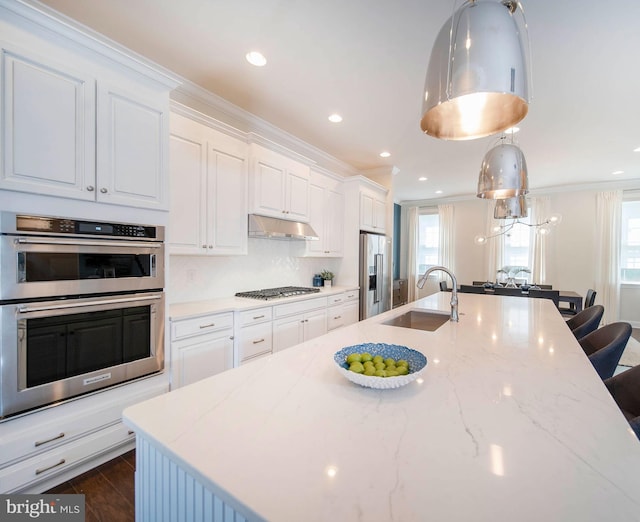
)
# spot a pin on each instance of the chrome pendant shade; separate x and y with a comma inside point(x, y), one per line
point(511, 208)
point(477, 81)
point(503, 173)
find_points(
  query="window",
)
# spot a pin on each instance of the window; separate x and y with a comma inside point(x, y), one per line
point(428, 239)
point(630, 242)
point(517, 244)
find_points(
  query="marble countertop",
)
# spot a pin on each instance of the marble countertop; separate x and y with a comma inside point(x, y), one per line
point(235, 304)
point(509, 421)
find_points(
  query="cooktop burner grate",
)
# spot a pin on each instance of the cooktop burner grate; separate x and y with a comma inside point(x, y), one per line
point(276, 293)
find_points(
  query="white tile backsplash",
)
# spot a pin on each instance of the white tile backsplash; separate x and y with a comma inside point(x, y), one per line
point(269, 263)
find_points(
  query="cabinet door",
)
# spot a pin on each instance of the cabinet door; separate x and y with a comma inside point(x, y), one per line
point(315, 324)
point(317, 221)
point(187, 218)
point(227, 197)
point(48, 127)
point(334, 228)
point(351, 312)
point(269, 188)
point(366, 212)
point(297, 193)
point(132, 137)
point(288, 332)
point(379, 215)
point(203, 357)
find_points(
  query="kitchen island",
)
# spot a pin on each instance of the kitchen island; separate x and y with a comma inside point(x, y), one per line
point(509, 421)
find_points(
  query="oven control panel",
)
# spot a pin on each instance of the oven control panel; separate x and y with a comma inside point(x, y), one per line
point(74, 227)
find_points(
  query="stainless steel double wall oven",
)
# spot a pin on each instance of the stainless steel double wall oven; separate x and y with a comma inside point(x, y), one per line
point(81, 307)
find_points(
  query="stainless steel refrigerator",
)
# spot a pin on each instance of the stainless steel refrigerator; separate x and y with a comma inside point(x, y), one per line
point(375, 274)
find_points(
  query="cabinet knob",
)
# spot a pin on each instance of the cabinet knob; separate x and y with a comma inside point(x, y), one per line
point(90, 188)
point(204, 246)
point(210, 246)
point(103, 190)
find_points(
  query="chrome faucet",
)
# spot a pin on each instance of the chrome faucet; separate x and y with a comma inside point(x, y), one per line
point(454, 290)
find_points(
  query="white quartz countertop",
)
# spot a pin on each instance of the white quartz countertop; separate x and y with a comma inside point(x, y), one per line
point(509, 421)
point(235, 304)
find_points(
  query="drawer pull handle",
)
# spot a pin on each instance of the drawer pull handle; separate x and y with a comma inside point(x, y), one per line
point(258, 317)
point(41, 442)
point(258, 341)
point(337, 300)
point(207, 325)
point(42, 470)
point(130, 432)
point(338, 317)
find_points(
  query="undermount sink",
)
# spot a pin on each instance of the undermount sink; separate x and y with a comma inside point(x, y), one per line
point(419, 320)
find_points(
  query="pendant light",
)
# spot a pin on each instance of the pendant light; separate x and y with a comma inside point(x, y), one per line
point(503, 173)
point(511, 208)
point(477, 81)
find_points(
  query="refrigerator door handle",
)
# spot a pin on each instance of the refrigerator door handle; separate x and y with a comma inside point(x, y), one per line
point(377, 263)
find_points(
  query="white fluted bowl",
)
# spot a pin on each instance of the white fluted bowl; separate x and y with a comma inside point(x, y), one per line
point(417, 363)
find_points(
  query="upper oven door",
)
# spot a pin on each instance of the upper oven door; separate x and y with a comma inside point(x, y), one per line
point(34, 267)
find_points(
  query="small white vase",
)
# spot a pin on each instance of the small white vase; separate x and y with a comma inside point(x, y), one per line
point(327, 283)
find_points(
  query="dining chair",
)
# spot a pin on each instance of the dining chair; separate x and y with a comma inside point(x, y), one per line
point(586, 321)
point(554, 295)
point(589, 299)
point(470, 289)
point(625, 390)
point(509, 291)
point(443, 286)
point(605, 345)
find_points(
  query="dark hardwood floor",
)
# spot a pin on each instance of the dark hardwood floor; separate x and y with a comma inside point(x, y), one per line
point(108, 490)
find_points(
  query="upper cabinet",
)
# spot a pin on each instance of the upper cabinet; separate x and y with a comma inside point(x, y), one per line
point(326, 216)
point(208, 214)
point(279, 185)
point(81, 121)
point(373, 210)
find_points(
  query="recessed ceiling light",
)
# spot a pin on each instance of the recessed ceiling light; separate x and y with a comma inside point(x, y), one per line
point(616, 172)
point(438, 192)
point(256, 58)
point(335, 118)
point(385, 154)
point(512, 130)
point(422, 178)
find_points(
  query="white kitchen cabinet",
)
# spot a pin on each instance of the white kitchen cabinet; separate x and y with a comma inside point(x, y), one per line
point(299, 321)
point(279, 185)
point(201, 347)
point(84, 132)
point(47, 447)
point(208, 190)
point(373, 210)
point(343, 309)
point(326, 213)
point(254, 338)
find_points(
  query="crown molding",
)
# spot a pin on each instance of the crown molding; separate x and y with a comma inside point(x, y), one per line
point(256, 129)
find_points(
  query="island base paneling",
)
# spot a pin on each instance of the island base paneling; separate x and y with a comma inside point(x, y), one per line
point(165, 491)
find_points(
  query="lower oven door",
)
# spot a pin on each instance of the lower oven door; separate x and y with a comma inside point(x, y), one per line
point(56, 350)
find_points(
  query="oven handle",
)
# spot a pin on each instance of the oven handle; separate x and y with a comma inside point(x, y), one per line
point(62, 241)
point(27, 309)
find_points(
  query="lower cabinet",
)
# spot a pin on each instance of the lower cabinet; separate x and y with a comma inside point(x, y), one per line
point(47, 447)
point(297, 322)
point(343, 309)
point(201, 347)
point(254, 334)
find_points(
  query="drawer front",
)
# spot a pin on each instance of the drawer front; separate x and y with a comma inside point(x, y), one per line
point(299, 307)
point(351, 295)
point(336, 299)
point(200, 325)
point(255, 316)
point(40, 437)
point(50, 463)
point(254, 341)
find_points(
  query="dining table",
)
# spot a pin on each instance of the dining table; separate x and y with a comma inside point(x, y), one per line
point(573, 298)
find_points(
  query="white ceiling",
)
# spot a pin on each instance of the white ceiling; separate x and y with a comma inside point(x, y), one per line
point(367, 60)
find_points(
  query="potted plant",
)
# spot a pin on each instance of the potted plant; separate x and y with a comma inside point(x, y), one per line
point(328, 276)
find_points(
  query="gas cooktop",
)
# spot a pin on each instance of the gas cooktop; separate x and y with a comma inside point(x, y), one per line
point(277, 293)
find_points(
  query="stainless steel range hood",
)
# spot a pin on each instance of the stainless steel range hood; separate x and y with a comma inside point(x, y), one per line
point(274, 228)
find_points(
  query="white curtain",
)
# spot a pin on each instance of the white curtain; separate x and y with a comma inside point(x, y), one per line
point(608, 222)
point(446, 244)
point(493, 246)
point(539, 211)
point(412, 243)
